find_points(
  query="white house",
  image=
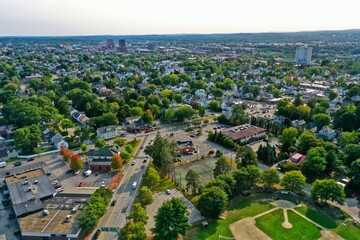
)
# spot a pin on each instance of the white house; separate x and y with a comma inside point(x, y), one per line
point(107, 132)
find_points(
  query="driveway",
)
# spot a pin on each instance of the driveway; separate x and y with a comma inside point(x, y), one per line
point(160, 198)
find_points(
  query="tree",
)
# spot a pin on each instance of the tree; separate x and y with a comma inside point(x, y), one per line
point(332, 163)
point(254, 175)
point(321, 120)
point(171, 220)
point(245, 156)
point(133, 231)
point(270, 177)
point(239, 116)
point(212, 202)
point(162, 151)
point(288, 138)
point(145, 196)
point(100, 143)
point(349, 138)
point(293, 181)
point(221, 167)
point(192, 181)
point(327, 189)
point(66, 153)
point(84, 147)
point(116, 162)
point(28, 138)
point(138, 214)
point(352, 152)
point(76, 163)
point(214, 106)
point(313, 167)
point(242, 179)
point(67, 123)
point(308, 140)
point(151, 178)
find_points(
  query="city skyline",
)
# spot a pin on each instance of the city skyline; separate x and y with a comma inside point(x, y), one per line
point(66, 17)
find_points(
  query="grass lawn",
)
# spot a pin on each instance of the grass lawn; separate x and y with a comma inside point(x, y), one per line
point(347, 230)
point(240, 208)
point(302, 229)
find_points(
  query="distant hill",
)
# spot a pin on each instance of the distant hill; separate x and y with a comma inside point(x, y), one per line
point(275, 37)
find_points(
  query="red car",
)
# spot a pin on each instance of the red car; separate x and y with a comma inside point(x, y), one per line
point(57, 186)
point(80, 184)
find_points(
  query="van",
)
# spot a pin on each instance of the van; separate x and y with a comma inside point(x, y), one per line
point(2, 164)
point(134, 185)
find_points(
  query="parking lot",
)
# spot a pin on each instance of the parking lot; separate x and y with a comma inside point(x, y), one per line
point(76, 183)
point(7, 225)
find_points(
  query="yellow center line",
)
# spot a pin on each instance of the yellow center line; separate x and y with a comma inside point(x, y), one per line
point(117, 202)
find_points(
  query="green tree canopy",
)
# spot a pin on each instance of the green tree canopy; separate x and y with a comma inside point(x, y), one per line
point(212, 202)
point(293, 181)
point(171, 220)
point(327, 189)
point(221, 166)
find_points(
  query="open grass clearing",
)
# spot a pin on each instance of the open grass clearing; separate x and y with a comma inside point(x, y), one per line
point(239, 208)
point(271, 224)
point(344, 228)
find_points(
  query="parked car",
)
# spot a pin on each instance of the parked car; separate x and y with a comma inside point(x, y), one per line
point(48, 173)
point(80, 184)
point(168, 191)
point(7, 173)
point(59, 189)
point(31, 159)
point(55, 182)
point(16, 164)
point(96, 235)
point(96, 174)
point(77, 172)
point(69, 171)
point(57, 186)
point(133, 163)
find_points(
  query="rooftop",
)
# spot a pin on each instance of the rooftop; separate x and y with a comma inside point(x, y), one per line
point(53, 219)
point(242, 131)
point(28, 189)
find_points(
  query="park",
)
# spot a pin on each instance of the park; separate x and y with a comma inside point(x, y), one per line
point(275, 216)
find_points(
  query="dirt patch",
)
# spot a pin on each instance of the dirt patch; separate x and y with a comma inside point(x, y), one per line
point(246, 229)
point(329, 235)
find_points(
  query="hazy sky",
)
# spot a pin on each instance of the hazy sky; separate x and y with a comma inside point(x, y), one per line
point(93, 17)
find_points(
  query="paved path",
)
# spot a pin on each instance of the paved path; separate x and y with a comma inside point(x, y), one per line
point(286, 224)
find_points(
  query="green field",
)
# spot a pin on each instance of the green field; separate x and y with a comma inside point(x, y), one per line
point(239, 209)
point(271, 224)
point(342, 227)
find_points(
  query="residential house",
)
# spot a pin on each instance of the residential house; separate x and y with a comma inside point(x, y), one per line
point(296, 158)
point(107, 132)
point(327, 133)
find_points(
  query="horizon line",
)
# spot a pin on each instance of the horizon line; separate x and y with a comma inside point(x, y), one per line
point(174, 34)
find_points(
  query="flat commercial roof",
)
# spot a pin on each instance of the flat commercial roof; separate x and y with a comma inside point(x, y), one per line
point(25, 194)
point(58, 208)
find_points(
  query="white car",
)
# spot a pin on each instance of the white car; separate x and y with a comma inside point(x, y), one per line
point(133, 163)
point(59, 190)
point(77, 172)
point(55, 182)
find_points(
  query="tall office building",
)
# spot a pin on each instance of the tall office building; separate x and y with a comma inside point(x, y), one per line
point(303, 54)
point(122, 46)
point(110, 43)
point(122, 43)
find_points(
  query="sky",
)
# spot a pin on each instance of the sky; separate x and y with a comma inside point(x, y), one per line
point(133, 17)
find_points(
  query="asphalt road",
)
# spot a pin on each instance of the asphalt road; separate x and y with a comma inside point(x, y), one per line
point(125, 194)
